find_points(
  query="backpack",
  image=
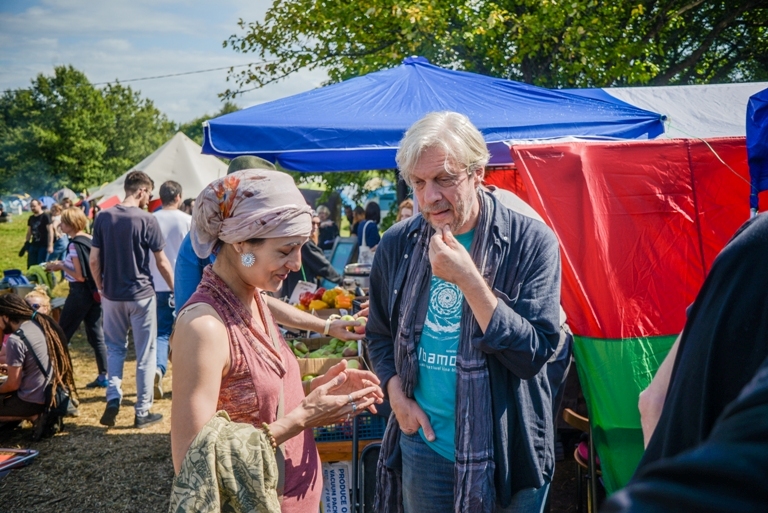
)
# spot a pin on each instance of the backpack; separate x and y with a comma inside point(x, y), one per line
point(51, 421)
point(83, 248)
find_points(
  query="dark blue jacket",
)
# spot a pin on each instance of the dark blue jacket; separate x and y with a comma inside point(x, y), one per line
point(522, 335)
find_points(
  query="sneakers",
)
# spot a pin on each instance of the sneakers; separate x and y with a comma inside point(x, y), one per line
point(110, 414)
point(147, 420)
point(158, 384)
point(99, 382)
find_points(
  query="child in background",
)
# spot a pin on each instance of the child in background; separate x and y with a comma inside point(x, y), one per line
point(39, 301)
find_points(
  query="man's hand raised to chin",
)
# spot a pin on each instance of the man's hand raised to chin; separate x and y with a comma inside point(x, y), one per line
point(450, 261)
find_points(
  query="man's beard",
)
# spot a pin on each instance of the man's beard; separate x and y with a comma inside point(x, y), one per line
point(460, 214)
point(7, 329)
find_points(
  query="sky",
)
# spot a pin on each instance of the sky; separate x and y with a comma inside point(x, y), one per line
point(123, 40)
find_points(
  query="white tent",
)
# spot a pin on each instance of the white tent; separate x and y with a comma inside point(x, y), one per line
point(695, 111)
point(180, 159)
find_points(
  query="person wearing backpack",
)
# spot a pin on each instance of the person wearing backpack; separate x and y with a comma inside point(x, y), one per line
point(37, 364)
point(83, 302)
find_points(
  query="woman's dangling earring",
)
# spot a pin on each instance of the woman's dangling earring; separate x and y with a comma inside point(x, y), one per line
point(247, 259)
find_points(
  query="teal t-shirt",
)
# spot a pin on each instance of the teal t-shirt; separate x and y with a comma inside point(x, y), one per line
point(435, 391)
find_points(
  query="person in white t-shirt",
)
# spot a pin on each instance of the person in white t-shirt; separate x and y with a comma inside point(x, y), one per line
point(174, 224)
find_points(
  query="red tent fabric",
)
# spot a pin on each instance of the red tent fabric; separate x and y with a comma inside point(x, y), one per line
point(639, 224)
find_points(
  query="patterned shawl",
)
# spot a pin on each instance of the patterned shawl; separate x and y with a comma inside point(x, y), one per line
point(474, 490)
point(229, 467)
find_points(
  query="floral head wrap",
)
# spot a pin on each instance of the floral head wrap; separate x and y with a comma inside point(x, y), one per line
point(253, 203)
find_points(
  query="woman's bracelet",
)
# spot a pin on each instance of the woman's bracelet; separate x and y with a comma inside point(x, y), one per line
point(272, 441)
point(327, 326)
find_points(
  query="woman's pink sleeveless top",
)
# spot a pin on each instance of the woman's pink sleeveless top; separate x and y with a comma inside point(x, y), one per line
point(254, 405)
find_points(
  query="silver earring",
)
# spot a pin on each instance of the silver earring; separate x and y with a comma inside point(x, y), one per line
point(247, 259)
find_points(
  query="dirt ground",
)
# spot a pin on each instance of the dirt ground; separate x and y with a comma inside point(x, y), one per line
point(89, 468)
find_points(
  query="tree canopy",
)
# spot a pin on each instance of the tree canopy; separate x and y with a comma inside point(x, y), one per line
point(63, 131)
point(551, 43)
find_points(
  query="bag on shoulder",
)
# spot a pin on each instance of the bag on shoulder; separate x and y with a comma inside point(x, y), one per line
point(51, 421)
point(365, 256)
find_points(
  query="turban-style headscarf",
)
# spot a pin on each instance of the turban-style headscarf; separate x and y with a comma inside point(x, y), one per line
point(253, 203)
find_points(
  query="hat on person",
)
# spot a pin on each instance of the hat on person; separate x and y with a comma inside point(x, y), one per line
point(249, 162)
point(252, 203)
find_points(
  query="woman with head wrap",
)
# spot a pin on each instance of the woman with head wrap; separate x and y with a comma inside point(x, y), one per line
point(228, 354)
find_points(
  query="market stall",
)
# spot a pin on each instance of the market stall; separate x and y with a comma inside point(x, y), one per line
point(631, 211)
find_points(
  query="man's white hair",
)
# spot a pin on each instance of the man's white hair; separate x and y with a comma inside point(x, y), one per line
point(451, 132)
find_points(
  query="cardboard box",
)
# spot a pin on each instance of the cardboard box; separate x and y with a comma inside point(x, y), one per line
point(318, 366)
point(327, 312)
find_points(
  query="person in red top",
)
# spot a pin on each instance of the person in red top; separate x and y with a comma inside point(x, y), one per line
point(227, 351)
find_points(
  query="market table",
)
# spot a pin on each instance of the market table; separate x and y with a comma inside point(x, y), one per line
point(340, 451)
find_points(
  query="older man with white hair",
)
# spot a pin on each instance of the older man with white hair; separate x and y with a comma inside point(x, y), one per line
point(464, 316)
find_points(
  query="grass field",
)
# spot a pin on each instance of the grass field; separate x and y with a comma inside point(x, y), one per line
point(11, 239)
point(89, 468)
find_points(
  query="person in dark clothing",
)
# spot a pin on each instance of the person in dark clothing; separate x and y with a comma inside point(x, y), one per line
point(39, 234)
point(368, 234)
point(124, 236)
point(724, 341)
point(726, 472)
point(349, 214)
point(85, 205)
point(314, 265)
point(328, 229)
point(369, 229)
point(83, 304)
point(358, 215)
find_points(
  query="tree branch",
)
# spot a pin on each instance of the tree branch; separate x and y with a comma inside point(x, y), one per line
point(665, 77)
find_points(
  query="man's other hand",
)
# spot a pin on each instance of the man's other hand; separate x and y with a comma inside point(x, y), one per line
point(409, 414)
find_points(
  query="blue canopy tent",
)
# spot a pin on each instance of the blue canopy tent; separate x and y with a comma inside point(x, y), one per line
point(357, 124)
point(757, 144)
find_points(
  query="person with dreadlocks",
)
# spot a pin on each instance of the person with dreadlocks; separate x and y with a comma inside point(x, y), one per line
point(22, 396)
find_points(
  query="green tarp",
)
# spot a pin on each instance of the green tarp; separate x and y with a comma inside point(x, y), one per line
point(612, 375)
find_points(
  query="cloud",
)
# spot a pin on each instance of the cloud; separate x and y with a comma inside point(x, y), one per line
point(141, 38)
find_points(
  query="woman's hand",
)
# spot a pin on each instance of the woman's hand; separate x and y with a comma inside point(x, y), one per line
point(54, 265)
point(325, 406)
point(356, 379)
point(338, 329)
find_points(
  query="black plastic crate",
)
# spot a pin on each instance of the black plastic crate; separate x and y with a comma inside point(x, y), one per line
point(369, 427)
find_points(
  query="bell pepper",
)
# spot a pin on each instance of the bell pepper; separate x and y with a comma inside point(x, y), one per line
point(306, 297)
point(330, 296)
point(318, 304)
point(343, 302)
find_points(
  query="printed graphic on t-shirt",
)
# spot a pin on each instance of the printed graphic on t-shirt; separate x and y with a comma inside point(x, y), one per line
point(444, 323)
